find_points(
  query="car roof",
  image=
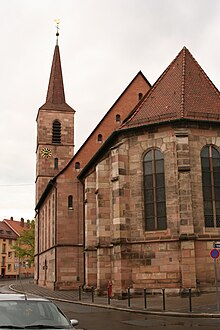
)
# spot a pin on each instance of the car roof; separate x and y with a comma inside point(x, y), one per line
point(20, 296)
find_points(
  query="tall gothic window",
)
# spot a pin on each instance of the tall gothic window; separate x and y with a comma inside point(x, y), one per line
point(210, 160)
point(154, 191)
point(56, 132)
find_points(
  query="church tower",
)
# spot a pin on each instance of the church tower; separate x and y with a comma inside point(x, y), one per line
point(55, 129)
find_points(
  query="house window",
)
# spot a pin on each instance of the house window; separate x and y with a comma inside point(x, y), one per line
point(118, 118)
point(154, 191)
point(56, 132)
point(100, 138)
point(9, 254)
point(3, 248)
point(70, 202)
point(3, 261)
point(210, 161)
point(55, 163)
point(9, 267)
point(77, 165)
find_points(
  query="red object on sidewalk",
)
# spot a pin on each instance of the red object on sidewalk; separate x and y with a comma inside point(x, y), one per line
point(110, 289)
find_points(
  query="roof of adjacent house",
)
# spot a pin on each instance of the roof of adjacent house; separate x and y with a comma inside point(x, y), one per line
point(6, 231)
point(183, 91)
point(16, 226)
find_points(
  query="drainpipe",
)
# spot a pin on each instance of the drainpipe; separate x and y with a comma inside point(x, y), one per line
point(55, 243)
point(84, 256)
point(38, 242)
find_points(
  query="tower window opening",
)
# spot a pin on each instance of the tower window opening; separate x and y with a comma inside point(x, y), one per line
point(56, 132)
point(55, 163)
point(70, 202)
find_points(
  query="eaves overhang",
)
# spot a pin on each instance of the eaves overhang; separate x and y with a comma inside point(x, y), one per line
point(116, 134)
point(48, 188)
point(101, 151)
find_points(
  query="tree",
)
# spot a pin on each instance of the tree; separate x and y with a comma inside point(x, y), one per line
point(24, 245)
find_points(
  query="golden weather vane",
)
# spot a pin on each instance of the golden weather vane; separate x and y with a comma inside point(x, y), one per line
point(57, 22)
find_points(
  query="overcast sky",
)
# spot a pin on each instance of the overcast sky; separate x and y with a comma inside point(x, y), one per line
point(103, 44)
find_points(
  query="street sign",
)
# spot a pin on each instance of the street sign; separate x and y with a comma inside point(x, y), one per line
point(216, 245)
point(214, 253)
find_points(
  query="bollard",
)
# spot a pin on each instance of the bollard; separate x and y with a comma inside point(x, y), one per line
point(145, 298)
point(190, 300)
point(79, 293)
point(109, 298)
point(92, 294)
point(164, 305)
point(129, 298)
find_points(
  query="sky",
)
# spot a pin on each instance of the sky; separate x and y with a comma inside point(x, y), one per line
point(103, 45)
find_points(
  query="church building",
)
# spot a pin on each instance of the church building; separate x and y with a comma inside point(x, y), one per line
point(139, 203)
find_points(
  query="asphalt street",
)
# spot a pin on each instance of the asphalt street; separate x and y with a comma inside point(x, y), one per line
point(97, 313)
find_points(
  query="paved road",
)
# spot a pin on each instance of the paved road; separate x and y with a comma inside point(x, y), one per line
point(93, 318)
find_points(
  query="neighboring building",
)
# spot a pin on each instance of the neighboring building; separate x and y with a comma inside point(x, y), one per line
point(8, 261)
point(15, 266)
point(139, 203)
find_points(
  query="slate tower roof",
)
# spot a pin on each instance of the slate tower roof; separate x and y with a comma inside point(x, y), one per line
point(183, 91)
point(55, 94)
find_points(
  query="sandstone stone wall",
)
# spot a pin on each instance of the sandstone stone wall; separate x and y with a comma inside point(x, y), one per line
point(175, 258)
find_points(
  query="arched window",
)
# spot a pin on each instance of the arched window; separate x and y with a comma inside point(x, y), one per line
point(77, 166)
point(118, 118)
point(210, 160)
point(99, 137)
point(56, 132)
point(55, 163)
point(70, 202)
point(154, 191)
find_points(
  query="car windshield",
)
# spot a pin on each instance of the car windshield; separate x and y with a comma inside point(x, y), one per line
point(25, 313)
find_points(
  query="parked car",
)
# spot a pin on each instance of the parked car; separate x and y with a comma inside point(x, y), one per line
point(19, 311)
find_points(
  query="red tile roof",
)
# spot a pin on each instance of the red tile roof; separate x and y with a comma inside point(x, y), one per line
point(16, 226)
point(182, 91)
point(6, 232)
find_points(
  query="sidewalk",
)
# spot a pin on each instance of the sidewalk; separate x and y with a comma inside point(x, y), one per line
point(201, 306)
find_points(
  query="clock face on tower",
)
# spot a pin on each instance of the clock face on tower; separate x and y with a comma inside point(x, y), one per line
point(46, 153)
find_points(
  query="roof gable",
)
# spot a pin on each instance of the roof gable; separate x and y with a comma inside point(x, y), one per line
point(6, 232)
point(182, 91)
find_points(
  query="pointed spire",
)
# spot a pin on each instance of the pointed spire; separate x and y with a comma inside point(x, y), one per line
point(55, 92)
